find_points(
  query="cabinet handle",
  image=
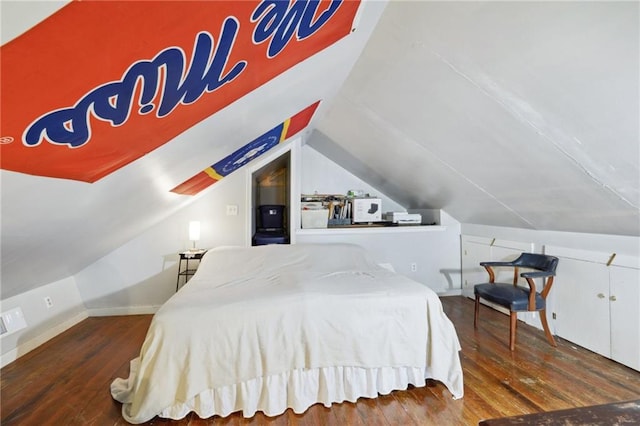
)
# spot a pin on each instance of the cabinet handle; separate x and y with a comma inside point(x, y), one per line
point(600, 296)
point(613, 298)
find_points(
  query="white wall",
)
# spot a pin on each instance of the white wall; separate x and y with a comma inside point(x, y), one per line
point(43, 323)
point(141, 275)
point(628, 245)
point(434, 250)
point(320, 175)
point(436, 253)
point(137, 277)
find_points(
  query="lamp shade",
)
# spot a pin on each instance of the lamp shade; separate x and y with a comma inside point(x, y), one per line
point(194, 230)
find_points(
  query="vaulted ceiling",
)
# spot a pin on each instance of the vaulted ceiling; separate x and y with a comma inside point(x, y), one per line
point(520, 114)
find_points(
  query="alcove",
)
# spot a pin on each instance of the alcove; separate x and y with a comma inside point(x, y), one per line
point(271, 185)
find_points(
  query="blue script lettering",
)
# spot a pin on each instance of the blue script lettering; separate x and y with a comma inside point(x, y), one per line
point(113, 101)
point(278, 21)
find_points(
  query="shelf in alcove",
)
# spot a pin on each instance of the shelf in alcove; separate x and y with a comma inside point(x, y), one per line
point(370, 229)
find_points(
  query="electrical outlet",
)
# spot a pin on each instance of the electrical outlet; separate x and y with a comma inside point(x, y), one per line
point(414, 267)
point(232, 210)
point(48, 302)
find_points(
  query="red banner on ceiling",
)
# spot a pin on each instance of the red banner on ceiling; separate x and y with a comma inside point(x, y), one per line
point(99, 84)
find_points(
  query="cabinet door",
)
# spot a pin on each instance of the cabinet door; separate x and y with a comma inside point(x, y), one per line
point(473, 252)
point(625, 316)
point(582, 304)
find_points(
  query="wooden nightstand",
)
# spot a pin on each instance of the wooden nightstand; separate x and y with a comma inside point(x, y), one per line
point(186, 256)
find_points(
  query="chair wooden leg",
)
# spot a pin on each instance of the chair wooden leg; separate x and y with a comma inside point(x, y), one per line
point(475, 315)
point(512, 330)
point(545, 326)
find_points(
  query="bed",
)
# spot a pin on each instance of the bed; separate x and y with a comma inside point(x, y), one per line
point(287, 326)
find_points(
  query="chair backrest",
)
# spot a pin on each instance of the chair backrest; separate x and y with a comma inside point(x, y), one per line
point(541, 262)
point(271, 216)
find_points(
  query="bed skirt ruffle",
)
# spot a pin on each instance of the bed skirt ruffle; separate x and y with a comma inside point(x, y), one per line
point(297, 389)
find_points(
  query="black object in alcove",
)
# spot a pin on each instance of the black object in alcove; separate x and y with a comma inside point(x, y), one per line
point(271, 228)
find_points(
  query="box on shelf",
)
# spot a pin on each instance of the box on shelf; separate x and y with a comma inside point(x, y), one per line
point(314, 216)
point(367, 209)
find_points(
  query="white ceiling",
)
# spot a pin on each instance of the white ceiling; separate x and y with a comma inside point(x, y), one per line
point(520, 114)
point(517, 114)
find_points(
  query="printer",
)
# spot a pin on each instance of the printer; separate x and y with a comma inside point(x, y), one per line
point(403, 218)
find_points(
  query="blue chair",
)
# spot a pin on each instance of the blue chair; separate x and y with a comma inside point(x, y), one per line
point(516, 298)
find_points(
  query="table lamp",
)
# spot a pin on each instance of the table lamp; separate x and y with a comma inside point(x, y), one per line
point(194, 232)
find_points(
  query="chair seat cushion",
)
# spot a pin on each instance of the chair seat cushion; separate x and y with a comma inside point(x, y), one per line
point(263, 238)
point(508, 295)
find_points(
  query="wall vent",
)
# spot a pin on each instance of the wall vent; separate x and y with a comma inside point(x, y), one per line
point(12, 320)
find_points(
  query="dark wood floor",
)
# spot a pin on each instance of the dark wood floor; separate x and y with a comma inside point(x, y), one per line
point(66, 381)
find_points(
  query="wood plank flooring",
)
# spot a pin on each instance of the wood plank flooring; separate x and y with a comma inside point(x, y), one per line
point(66, 380)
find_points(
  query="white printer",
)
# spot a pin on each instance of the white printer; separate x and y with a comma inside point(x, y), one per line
point(403, 218)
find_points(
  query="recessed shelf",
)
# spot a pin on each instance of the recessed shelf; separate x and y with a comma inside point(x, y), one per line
point(371, 230)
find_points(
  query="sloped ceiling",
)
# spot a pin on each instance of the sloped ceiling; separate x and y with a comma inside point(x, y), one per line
point(517, 114)
point(521, 114)
point(64, 223)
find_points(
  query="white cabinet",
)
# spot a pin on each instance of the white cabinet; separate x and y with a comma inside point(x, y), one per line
point(581, 313)
point(625, 315)
point(474, 251)
point(482, 249)
point(597, 303)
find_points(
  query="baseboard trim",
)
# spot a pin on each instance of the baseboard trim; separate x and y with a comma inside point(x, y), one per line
point(123, 310)
point(454, 292)
point(28, 346)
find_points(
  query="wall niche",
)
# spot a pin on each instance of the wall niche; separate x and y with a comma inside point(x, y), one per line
point(271, 188)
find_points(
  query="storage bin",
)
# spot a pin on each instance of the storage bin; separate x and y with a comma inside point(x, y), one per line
point(339, 222)
point(316, 218)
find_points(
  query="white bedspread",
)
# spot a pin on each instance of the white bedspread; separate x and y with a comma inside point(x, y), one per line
point(271, 327)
